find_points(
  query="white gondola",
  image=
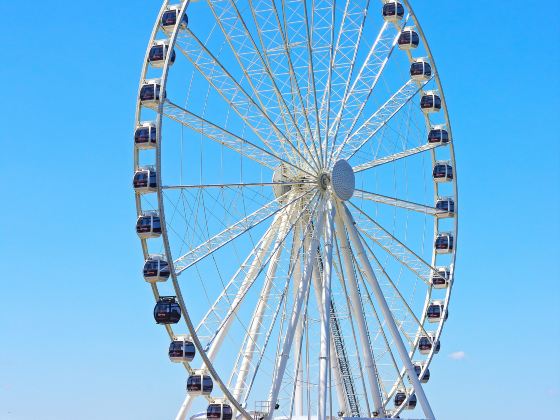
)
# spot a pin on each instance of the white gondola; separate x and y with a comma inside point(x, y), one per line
point(148, 225)
point(145, 135)
point(262, 123)
point(156, 269)
point(441, 278)
point(436, 311)
point(427, 342)
point(438, 135)
point(418, 367)
point(443, 172)
point(430, 102)
point(400, 398)
point(408, 39)
point(393, 10)
point(445, 207)
point(151, 92)
point(145, 180)
point(219, 411)
point(420, 70)
point(158, 54)
point(199, 384)
point(169, 19)
point(181, 349)
point(444, 243)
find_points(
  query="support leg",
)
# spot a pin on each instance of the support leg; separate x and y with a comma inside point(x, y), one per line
point(390, 321)
point(358, 314)
point(325, 316)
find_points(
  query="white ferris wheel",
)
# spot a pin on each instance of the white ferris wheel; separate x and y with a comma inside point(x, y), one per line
point(296, 197)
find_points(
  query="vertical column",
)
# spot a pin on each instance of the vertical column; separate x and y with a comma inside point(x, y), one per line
point(325, 316)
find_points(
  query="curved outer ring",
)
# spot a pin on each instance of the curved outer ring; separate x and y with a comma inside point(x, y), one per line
point(161, 210)
point(450, 145)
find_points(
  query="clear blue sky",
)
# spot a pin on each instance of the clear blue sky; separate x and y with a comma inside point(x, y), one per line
point(77, 333)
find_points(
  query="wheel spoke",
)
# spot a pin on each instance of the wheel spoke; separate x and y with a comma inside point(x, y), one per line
point(233, 93)
point(354, 142)
point(396, 202)
point(394, 157)
point(254, 65)
point(222, 310)
point(375, 232)
point(344, 61)
point(277, 50)
point(216, 242)
point(366, 81)
point(234, 185)
point(224, 137)
point(246, 273)
point(325, 108)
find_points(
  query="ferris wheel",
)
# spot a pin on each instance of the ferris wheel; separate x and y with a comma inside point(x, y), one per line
point(296, 197)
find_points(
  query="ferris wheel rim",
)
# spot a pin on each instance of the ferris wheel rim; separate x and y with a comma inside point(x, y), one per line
point(162, 209)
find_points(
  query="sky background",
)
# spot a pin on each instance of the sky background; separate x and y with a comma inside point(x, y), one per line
point(77, 334)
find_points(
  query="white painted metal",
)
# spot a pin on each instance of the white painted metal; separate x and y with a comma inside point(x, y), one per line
point(324, 355)
point(261, 307)
point(299, 87)
point(232, 232)
point(298, 366)
point(294, 319)
point(357, 311)
point(318, 288)
point(387, 315)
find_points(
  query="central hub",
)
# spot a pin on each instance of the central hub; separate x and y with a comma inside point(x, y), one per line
point(324, 181)
point(343, 180)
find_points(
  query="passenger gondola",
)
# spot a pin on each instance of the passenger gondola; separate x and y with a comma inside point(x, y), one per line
point(430, 102)
point(199, 384)
point(445, 207)
point(426, 343)
point(181, 350)
point(408, 39)
point(436, 311)
point(444, 243)
point(167, 310)
point(400, 398)
point(393, 11)
point(148, 225)
point(151, 92)
point(438, 135)
point(443, 172)
point(219, 411)
point(169, 19)
point(158, 54)
point(145, 180)
point(420, 70)
point(441, 278)
point(145, 135)
point(156, 269)
point(425, 376)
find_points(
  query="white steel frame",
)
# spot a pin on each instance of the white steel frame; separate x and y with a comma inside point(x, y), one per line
point(301, 89)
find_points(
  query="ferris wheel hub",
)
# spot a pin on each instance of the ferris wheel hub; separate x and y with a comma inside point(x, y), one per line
point(343, 180)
